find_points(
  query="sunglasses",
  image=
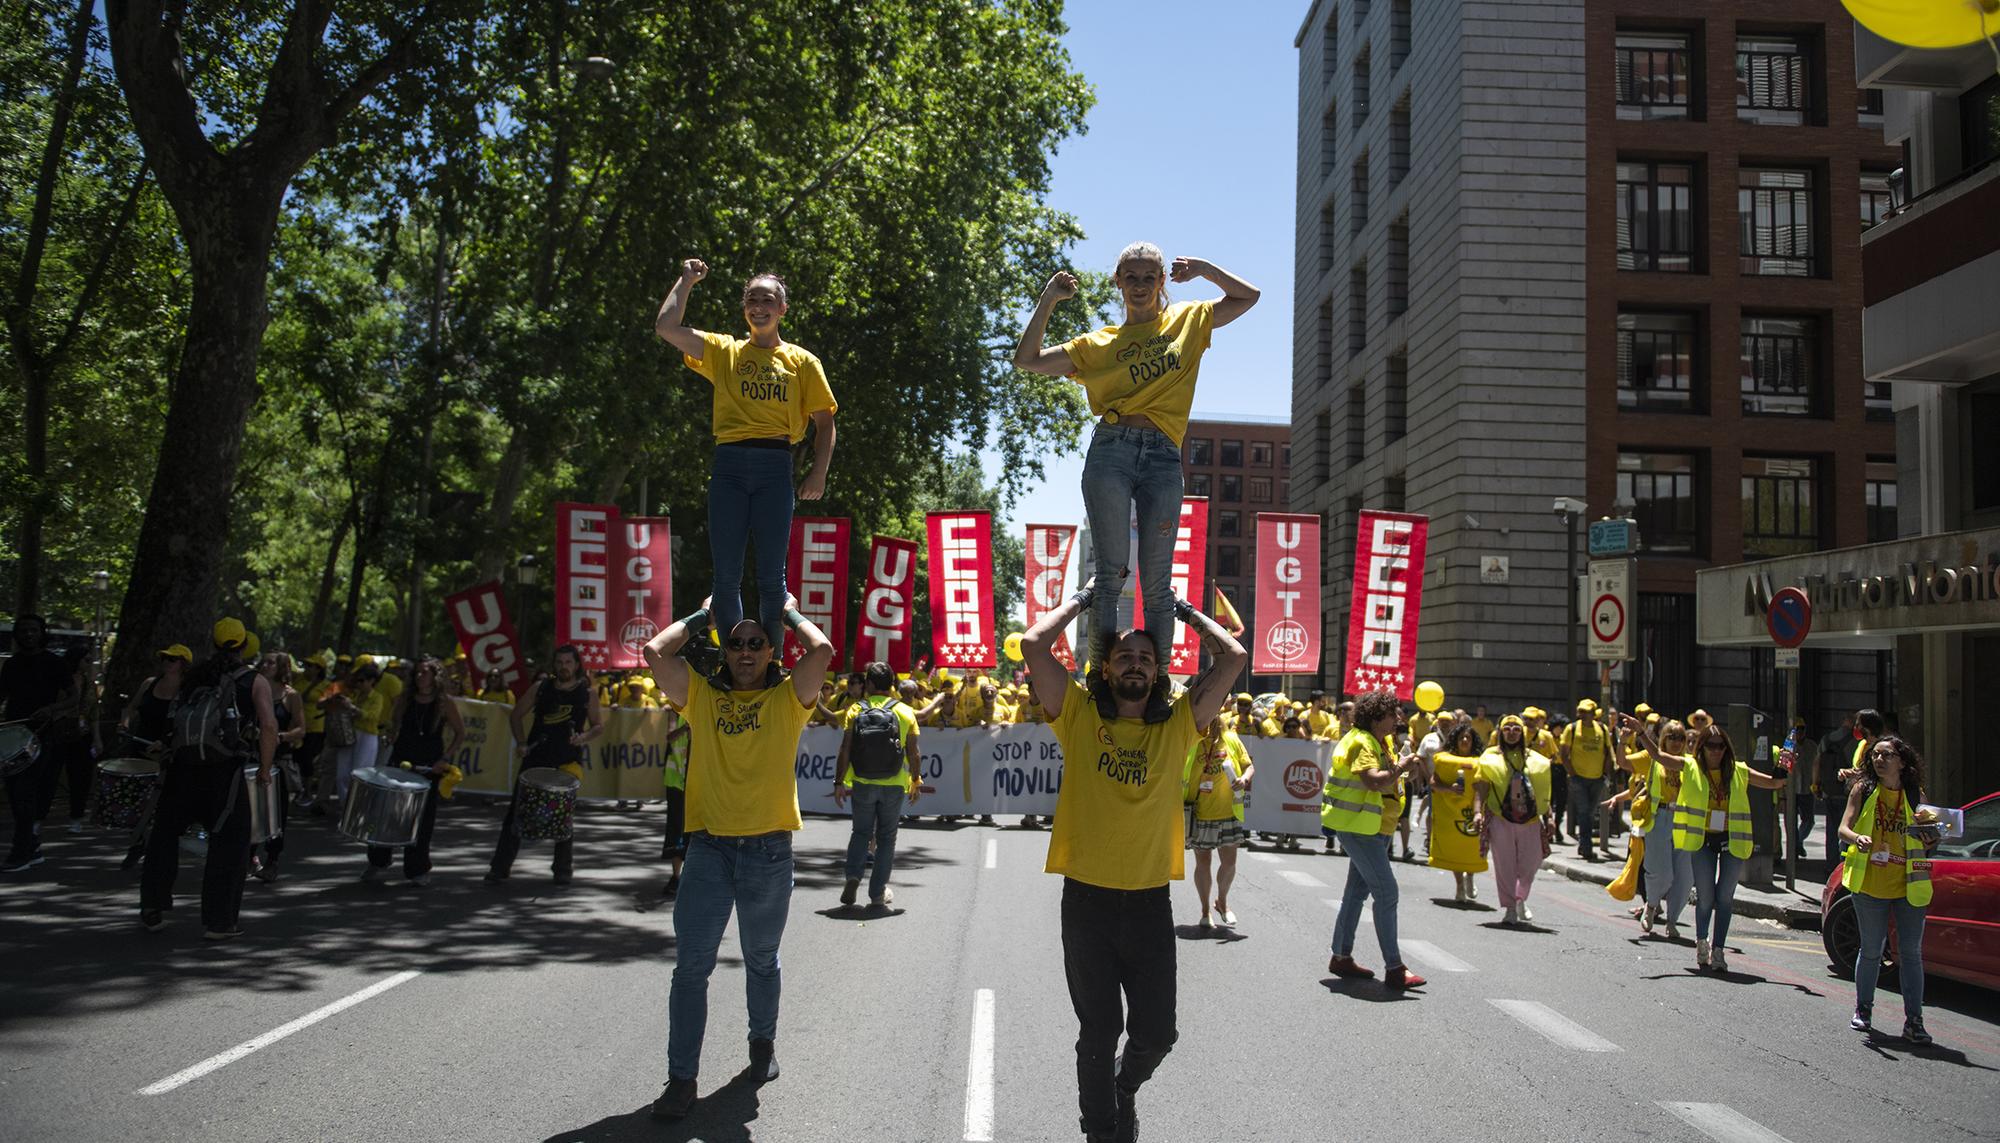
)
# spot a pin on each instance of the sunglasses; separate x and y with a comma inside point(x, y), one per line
point(754, 643)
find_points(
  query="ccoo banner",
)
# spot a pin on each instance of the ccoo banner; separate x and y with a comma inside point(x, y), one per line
point(961, 588)
point(614, 582)
point(486, 635)
point(1048, 552)
point(1189, 572)
point(816, 570)
point(883, 630)
point(1287, 614)
point(1388, 595)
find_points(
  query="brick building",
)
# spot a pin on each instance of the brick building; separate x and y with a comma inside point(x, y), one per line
point(1243, 466)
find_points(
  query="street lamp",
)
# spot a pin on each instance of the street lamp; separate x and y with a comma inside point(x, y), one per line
point(101, 580)
point(1569, 510)
point(525, 575)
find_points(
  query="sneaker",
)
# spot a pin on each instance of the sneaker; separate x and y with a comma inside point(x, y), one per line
point(266, 871)
point(1344, 966)
point(421, 880)
point(1719, 959)
point(986, 819)
point(1913, 1031)
point(378, 872)
point(76, 825)
point(1471, 888)
point(17, 864)
point(1527, 914)
point(848, 893)
point(1512, 916)
point(1861, 1021)
point(1401, 977)
point(887, 898)
point(222, 934)
point(676, 1101)
point(763, 1061)
point(1128, 1117)
point(672, 888)
point(561, 876)
point(1227, 919)
point(1701, 954)
point(152, 920)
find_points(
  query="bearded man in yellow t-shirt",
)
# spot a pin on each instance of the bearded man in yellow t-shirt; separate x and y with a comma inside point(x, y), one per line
point(742, 809)
point(1117, 842)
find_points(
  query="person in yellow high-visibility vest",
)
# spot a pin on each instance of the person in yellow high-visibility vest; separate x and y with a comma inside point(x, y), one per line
point(1669, 870)
point(1885, 871)
point(1712, 825)
point(1360, 779)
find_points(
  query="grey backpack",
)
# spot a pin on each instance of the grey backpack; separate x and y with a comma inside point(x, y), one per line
point(208, 722)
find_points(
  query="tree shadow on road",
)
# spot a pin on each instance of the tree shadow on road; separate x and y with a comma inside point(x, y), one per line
point(722, 1116)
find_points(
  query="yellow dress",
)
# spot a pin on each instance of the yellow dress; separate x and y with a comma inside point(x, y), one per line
point(1453, 843)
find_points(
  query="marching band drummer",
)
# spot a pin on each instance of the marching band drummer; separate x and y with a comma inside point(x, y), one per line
point(423, 736)
point(555, 721)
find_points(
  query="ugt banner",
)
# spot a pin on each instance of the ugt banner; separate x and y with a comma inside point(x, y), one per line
point(486, 634)
point(883, 630)
point(1287, 613)
point(614, 582)
point(1388, 594)
point(1189, 572)
point(816, 570)
point(961, 588)
point(1049, 548)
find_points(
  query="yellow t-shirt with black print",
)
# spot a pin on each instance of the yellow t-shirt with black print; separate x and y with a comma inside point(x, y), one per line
point(1146, 368)
point(761, 393)
point(743, 751)
point(1118, 817)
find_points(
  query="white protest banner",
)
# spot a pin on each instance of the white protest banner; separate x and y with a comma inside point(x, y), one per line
point(1286, 788)
point(964, 770)
point(627, 762)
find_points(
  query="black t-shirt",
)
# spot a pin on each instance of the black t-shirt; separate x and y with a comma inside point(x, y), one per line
point(558, 714)
point(33, 680)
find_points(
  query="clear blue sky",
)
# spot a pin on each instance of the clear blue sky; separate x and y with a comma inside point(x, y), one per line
point(1192, 145)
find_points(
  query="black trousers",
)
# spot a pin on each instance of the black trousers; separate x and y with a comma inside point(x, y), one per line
point(676, 843)
point(509, 845)
point(417, 854)
point(79, 770)
point(29, 794)
point(1118, 953)
point(210, 794)
point(307, 756)
point(1559, 793)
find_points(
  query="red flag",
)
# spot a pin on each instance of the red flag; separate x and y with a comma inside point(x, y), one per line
point(1388, 593)
point(816, 570)
point(1049, 548)
point(643, 604)
point(486, 635)
point(1288, 600)
point(883, 629)
point(1189, 569)
point(614, 583)
point(961, 588)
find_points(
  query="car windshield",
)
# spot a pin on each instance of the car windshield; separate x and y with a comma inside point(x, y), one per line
point(1982, 834)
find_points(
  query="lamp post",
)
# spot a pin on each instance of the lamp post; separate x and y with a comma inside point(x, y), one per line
point(525, 574)
point(101, 581)
point(1569, 510)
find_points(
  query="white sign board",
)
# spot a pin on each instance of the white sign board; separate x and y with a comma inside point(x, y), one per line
point(1286, 789)
point(1609, 612)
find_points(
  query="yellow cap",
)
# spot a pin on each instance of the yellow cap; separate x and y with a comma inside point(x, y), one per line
point(228, 633)
point(252, 646)
point(1586, 706)
point(1244, 696)
point(178, 651)
point(1642, 709)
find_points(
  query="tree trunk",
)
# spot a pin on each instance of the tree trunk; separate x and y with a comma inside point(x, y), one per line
point(614, 481)
point(366, 534)
point(323, 599)
point(507, 476)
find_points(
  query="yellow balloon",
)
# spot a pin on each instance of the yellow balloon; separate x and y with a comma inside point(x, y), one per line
point(1928, 23)
point(1430, 696)
point(1012, 647)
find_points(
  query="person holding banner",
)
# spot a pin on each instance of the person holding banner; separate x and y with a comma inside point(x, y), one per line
point(1362, 807)
point(765, 390)
point(1117, 843)
point(742, 809)
point(1139, 377)
point(1218, 766)
point(879, 760)
point(554, 722)
point(1512, 811)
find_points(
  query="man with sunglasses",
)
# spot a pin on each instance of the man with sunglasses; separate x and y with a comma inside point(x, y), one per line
point(744, 723)
point(556, 719)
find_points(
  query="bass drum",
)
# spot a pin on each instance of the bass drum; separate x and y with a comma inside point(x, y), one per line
point(124, 788)
point(383, 808)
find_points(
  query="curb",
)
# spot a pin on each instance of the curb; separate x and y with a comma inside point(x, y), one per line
point(1791, 911)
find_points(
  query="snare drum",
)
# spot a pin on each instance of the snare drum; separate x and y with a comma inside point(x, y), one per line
point(547, 808)
point(264, 797)
point(123, 787)
point(383, 807)
point(18, 749)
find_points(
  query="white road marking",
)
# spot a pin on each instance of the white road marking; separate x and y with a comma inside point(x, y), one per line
point(243, 1049)
point(1260, 855)
point(1434, 956)
point(1560, 1029)
point(1300, 877)
point(1334, 904)
point(979, 1071)
point(992, 853)
point(1723, 1123)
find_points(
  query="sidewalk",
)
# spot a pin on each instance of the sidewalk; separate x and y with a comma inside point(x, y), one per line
point(1794, 910)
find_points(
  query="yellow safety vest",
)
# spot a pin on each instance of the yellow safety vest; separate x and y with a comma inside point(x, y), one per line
point(1916, 871)
point(1691, 814)
point(1345, 803)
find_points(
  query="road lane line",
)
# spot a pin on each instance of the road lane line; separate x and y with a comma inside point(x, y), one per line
point(1434, 956)
point(243, 1049)
point(992, 853)
point(1723, 1123)
point(1333, 903)
point(1300, 877)
point(1558, 1028)
point(979, 1071)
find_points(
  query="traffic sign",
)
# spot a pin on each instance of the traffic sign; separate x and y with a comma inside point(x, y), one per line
point(1609, 537)
point(1610, 617)
point(1788, 617)
point(1788, 658)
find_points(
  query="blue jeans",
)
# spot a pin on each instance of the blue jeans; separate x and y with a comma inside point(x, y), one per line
point(1715, 877)
point(1584, 794)
point(749, 501)
point(1127, 467)
point(1669, 871)
point(878, 811)
point(754, 876)
point(1369, 874)
point(1873, 913)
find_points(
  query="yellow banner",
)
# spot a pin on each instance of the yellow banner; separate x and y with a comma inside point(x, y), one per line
point(628, 761)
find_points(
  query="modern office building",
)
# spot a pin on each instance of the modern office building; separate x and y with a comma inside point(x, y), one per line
point(1607, 252)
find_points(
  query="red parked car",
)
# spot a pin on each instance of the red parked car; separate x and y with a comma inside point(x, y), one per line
point(1962, 933)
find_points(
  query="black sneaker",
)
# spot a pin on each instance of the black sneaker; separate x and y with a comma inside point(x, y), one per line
point(676, 1101)
point(847, 893)
point(763, 1061)
point(1913, 1031)
point(1128, 1117)
point(152, 920)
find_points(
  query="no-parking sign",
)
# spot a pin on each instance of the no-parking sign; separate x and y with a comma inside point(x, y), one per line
point(1788, 617)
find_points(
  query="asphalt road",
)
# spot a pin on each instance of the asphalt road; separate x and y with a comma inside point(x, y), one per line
point(528, 1012)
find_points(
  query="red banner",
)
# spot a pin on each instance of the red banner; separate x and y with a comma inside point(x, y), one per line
point(816, 572)
point(1049, 548)
point(1287, 611)
point(1388, 594)
point(486, 635)
point(883, 630)
point(1190, 570)
point(961, 588)
point(614, 582)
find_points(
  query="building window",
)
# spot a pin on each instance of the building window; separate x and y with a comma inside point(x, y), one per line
point(1775, 221)
point(1979, 119)
point(1357, 423)
point(1229, 560)
point(1326, 341)
point(1232, 489)
point(1329, 43)
point(1197, 484)
point(1399, 34)
point(1399, 141)
point(1260, 490)
point(1875, 200)
point(1200, 450)
point(1654, 71)
point(1396, 292)
point(1232, 454)
point(1397, 398)
point(1260, 454)
point(1868, 106)
point(1357, 212)
point(1285, 456)
point(1322, 446)
point(1773, 80)
point(1656, 220)
point(1880, 490)
point(1360, 100)
point(1327, 236)
point(1780, 506)
point(1657, 359)
point(1329, 137)
point(1878, 400)
point(1284, 493)
point(1780, 366)
point(1357, 309)
point(1229, 524)
point(1660, 486)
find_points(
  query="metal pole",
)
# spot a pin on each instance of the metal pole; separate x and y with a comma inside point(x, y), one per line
point(1790, 832)
point(1575, 620)
point(1610, 762)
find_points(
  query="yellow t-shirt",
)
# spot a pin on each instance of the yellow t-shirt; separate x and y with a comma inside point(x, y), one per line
point(1545, 745)
point(1484, 728)
point(1320, 723)
point(1206, 768)
point(371, 712)
point(1146, 368)
point(761, 392)
point(315, 716)
point(743, 754)
point(906, 725)
point(1118, 817)
point(389, 686)
point(1588, 743)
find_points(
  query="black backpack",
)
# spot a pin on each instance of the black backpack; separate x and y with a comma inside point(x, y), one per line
point(876, 751)
point(208, 723)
